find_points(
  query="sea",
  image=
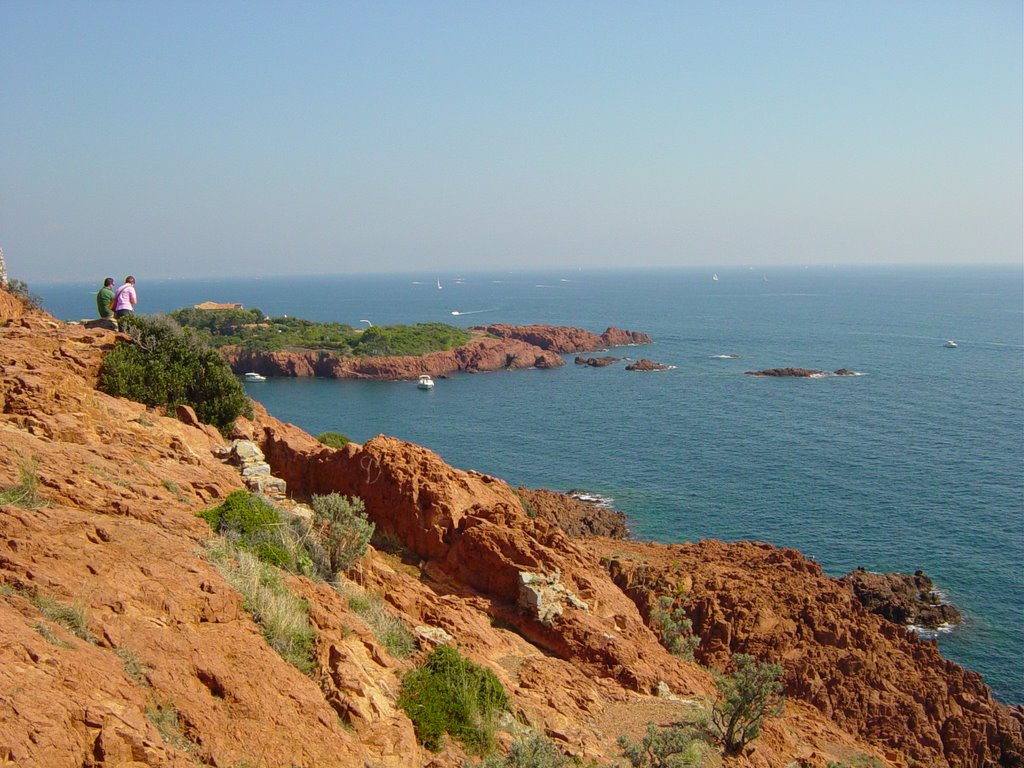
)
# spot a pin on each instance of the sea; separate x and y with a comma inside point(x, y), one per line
point(917, 462)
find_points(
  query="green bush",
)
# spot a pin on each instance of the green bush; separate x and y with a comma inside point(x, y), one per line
point(332, 439)
point(342, 530)
point(450, 694)
point(242, 514)
point(167, 365)
point(674, 629)
point(250, 523)
point(533, 752)
point(675, 747)
point(751, 692)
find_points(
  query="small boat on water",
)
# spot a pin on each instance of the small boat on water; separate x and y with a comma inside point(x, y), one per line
point(425, 382)
point(951, 344)
point(253, 376)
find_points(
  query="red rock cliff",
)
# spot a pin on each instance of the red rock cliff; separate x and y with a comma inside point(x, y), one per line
point(496, 347)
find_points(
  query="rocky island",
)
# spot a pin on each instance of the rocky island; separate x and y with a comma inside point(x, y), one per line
point(124, 645)
point(800, 373)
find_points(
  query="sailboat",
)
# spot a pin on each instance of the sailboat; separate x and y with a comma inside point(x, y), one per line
point(439, 286)
point(715, 277)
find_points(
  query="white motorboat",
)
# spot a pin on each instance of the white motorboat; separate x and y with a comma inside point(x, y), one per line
point(253, 376)
point(951, 344)
point(425, 382)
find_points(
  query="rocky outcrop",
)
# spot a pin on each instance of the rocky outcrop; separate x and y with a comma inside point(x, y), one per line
point(565, 340)
point(645, 365)
point(576, 517)
point(902, 598)
point(494, 348)
point(479, 355)
point(597, 362)
point(562, 622)
point(800, 373)
point(856, 668)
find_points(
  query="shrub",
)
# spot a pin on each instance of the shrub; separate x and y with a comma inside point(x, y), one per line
point(242, 514)
point(533, 752)
point(19, 290)
point(674, 629)
point(450, 694)
point(166, 365)
point(342, 529)
point(251, 523)
point(746, 696)
point(332, 439)
point(676, 747)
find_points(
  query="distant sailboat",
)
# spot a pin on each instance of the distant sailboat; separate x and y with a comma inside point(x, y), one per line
point(439, 286)
point(715, 277)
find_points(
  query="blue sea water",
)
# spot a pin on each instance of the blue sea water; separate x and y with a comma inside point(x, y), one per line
point(916, 463)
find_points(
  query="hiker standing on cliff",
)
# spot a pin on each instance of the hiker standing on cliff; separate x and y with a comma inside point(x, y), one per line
point(105, 299)
point(124, 302)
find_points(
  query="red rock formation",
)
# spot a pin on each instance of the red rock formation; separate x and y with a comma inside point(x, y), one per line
point(575, 517)
point(565, 340)
point(902, 598)
point(478, 355)
point(867, 674)
point(495, 348)
point(597, 362)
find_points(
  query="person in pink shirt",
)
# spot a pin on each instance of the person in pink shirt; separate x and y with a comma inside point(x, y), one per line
point(124, 302)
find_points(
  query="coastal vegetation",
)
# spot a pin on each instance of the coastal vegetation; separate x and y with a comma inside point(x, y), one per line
point(19, 290)
point(746, 696)
point(167, 365)
point(333, 439)
point(255, 539)
point(252, 331)
point(450, 694)
point(672, 747)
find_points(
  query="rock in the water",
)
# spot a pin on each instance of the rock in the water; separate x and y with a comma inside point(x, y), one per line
point(597, 362)
point(902, 598)
point(647, 365)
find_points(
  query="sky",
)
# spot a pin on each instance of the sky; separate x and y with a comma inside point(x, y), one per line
point(199, 139)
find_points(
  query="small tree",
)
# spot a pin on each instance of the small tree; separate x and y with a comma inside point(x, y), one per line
point(166, 365)
point(750, 693)
point(342, 529)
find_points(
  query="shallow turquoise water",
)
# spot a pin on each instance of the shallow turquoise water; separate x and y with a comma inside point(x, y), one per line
point(917, 463)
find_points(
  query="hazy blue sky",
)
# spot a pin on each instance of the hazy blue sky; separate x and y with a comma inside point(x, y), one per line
point(218, 138)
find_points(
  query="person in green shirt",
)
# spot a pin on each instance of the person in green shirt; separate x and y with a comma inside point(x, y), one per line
point(105, 298)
